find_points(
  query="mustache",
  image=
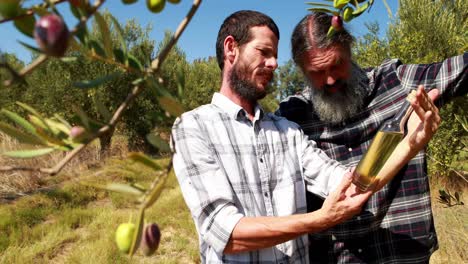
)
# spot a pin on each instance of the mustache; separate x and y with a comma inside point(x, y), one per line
point(265, 72)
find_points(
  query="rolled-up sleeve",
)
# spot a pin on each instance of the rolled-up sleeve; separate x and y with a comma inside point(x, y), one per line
point(205, 186)
point(321, 173)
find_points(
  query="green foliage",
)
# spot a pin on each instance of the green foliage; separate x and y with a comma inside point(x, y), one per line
point(290, 80)
point(370, 50)
point(426, 31)
point(203, 79)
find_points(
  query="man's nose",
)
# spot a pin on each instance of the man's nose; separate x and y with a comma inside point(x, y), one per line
point(331, 79)
point(271, 63)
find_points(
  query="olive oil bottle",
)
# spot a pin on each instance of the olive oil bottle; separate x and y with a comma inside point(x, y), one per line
point(382, 146)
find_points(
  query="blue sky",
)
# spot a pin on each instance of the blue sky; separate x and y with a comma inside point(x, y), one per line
point(198, 41)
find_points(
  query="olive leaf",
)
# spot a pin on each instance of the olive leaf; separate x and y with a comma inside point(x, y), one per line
point(138, 231)
point(28, 153)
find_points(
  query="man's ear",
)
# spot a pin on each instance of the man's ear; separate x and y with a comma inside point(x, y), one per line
point(230, 49)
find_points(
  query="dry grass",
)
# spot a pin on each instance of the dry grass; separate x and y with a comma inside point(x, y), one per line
point(19, 183)
point(451, 222)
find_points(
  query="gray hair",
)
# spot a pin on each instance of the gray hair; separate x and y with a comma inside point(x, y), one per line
point(311, 32)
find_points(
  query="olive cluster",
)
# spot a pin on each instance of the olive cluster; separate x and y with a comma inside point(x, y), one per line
point(154, 6)
point(149, 241)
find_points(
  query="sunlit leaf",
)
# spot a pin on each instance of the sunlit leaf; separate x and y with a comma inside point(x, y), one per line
point(158, 142)
point(340, 3)
point(97, 81)
point(62, 120)
point(28, 153)
point(118, 187)
point(319, 4)
point(20, 135)
point(138, 81)
point(20, 121)
point(139, 230)
point(156, 191)
point(143, 159)
point(105, 34)
point(29, 109)
point(53, 141)
point(360, 9)
point(171, 105)
point(119, 30)
point(69, 59)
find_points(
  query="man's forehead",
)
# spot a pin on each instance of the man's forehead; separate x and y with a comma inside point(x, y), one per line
point(263, 35)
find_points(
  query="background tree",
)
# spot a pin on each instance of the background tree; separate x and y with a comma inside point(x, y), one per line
point(427, 31)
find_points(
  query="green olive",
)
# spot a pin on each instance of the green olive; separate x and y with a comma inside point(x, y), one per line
point(124, 236)
point(155, 6)
point(348, 14)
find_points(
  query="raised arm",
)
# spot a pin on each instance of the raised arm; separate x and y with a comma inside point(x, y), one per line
point(422, 125)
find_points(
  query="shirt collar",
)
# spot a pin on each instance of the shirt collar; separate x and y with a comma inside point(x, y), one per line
point(234, 110)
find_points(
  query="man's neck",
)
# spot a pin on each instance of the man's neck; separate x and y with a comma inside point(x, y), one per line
point(247, 105)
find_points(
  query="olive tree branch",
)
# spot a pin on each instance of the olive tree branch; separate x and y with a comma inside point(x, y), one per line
point(137, 89)
point(31, 11)
point(155, 64)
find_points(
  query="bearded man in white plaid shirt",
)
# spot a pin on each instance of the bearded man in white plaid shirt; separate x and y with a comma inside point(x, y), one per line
point(244, 172)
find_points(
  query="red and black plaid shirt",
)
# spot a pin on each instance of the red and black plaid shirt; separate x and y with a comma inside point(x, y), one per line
point(396, 225)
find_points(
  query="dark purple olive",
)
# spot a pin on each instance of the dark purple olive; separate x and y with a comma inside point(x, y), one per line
point(151, 238)
point(337, 23)
point(51, 34)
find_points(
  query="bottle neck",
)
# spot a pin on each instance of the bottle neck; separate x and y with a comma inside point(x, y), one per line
point(397, 123)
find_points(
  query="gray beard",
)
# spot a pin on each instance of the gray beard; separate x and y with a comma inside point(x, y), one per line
point(341, 105)
point(244, 88)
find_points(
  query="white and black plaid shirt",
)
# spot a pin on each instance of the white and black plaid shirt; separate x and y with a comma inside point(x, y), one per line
point(396, 224)
point(229, 167)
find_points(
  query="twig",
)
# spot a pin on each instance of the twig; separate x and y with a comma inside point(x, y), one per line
point(155, 64)
point(31, 11)
point(155, 67)
point(21, 168)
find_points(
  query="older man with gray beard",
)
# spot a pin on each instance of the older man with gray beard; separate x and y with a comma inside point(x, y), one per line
point(342, 109)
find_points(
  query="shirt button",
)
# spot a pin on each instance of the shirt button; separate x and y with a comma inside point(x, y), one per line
point(261, 160)
point(266, 194)
point(359, 250)
point(358, 218)
point(350, 149)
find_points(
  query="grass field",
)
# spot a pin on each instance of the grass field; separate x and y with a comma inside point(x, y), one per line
point(58, 220)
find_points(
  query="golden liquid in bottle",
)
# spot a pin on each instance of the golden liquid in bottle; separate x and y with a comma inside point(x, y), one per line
point(379, 151)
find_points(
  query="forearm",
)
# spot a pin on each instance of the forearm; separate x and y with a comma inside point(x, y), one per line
point(252, 233)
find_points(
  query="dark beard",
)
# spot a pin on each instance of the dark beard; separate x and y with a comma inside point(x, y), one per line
point(244, 88)
point(340, 105)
